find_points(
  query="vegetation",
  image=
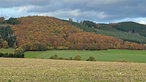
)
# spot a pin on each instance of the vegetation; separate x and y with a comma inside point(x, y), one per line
point(10, 21)
point(100, 55)
point(37, 32)
point(83, 27)
point(8, 50)
point(126, 36)
point(13, 53)
point(42, 33)
point(2, 19)
point(44, 70)
point(131, 27)
point(91, 58)
point(7, 38)
point(127, 31)
point(51, 38)
point(54, 57)
point(89, 24)
point(77, 57)
point(19, 52)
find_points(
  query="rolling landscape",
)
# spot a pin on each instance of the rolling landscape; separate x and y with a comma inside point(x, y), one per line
point(61, 50)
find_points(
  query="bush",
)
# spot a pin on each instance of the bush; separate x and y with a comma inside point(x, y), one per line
point(91, 58)
point(19, 52)
point(70, 58)
point(77, 57)
point(11, 55)
point(60, 58)
point(1, 54)
point(54, 57)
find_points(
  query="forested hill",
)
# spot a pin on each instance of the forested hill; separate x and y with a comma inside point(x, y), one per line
point(43, 32)
point(127, 31)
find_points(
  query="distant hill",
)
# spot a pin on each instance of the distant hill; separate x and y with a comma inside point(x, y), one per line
point(131, 27)
point(43, 33)
point(128, 31)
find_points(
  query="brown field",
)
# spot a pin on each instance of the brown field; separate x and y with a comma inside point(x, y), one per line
point(45, 70)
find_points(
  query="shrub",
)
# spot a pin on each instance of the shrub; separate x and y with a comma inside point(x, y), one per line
point(91, 58)
point(60, 58)
point(123, 60)
point(11, 55)
point(6, 55)
point(70, 58)
point(54, 57)
point(19, 52)
point(77, 57)
point(5, 44)
point(1, 54)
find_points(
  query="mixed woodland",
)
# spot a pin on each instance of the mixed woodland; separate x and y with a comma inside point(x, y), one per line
point(47, 33)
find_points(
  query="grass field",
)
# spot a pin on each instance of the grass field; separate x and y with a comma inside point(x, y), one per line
point(46, 70)
point(100, 55)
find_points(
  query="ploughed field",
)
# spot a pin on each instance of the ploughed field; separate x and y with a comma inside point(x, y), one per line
point(46, 70)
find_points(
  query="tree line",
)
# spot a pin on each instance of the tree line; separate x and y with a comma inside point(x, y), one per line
point(11, 21)
point(7, 37)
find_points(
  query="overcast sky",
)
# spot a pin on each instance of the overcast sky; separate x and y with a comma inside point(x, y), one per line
point(96, 10)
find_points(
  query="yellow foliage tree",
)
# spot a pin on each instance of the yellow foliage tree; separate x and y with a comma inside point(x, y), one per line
point(5, 44)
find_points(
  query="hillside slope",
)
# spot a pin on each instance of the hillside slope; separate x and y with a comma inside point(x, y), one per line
point(127, 31)
point(131, 27)
point(42, 32)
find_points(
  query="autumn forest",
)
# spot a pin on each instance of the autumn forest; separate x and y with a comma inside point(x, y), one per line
point(46, 33)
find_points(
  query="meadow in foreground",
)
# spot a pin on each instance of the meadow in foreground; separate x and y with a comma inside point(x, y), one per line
point(46, 70)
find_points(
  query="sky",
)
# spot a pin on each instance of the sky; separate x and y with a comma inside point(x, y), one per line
point(100, 11)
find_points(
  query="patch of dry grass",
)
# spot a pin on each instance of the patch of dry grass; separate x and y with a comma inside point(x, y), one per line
point(45, 70)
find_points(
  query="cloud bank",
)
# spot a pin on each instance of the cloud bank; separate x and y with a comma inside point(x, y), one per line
point(95, 10)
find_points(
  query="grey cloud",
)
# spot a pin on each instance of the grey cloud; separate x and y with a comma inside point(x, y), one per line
point(17, 3)
point(97, 10)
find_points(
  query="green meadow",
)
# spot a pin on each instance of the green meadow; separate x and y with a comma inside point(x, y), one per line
point(100, 55)
point(114, 55)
